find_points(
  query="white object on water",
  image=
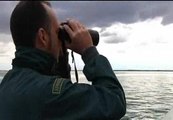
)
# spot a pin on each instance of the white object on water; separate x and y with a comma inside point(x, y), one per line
point(169, 115)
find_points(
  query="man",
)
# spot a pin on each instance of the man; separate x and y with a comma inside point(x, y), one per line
point(35, 90)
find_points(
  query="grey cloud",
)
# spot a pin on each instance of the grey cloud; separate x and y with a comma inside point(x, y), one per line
point(3, 51)
point(116, 34)
point(4, 24)
point(104, 13)
point(114, 39)
point(4, 55)
point(168, 17)
point(99, 13)
point(5, 12)
point(96, 13)
point(157, 8)
point(106, 33)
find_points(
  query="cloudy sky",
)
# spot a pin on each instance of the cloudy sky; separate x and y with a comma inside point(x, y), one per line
point(133, 35)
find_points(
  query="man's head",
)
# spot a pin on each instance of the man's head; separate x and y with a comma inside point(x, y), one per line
point(34, 24)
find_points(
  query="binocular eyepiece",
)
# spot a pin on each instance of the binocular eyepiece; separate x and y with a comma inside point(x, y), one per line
point(63, 35)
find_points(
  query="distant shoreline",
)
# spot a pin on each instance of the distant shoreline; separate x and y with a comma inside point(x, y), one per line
point(147, 70)
point(139, 70)
point(2, 71)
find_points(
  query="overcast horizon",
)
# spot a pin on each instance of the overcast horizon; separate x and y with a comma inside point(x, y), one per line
point(133, 34)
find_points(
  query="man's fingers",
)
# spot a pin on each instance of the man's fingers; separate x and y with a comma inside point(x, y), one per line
point(69, 30)
point(73, 25)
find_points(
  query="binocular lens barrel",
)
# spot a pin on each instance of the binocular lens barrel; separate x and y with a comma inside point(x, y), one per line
point(63, 35)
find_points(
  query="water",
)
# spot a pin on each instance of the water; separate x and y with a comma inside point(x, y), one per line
point(149, 94)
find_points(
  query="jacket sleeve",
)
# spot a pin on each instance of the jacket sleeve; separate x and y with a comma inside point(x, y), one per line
point(103, 100)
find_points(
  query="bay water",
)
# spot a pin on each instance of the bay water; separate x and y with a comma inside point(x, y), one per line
point(149, 94)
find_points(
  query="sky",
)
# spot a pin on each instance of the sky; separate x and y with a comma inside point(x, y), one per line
point(134, 35)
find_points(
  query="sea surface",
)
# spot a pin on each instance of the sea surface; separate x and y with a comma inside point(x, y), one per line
point(149, 94)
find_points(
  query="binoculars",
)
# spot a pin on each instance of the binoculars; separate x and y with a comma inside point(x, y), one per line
point(63, 35)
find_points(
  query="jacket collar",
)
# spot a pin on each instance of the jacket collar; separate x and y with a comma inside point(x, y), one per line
point(35, 59)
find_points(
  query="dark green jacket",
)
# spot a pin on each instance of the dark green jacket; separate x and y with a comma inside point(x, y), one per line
point(32, 90)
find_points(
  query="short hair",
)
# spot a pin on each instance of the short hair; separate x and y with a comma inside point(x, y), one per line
point(26, 19)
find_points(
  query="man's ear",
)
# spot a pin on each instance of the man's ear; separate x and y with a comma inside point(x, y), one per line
point(42, 39)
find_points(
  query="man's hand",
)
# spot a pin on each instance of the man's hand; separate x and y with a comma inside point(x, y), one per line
point(80, 37)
